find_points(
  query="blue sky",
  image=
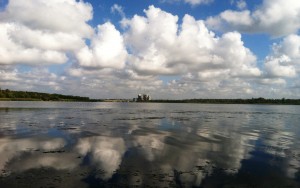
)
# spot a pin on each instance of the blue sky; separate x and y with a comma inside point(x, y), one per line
point(167, 48)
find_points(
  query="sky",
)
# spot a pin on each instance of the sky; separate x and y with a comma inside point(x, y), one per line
point(170, 49)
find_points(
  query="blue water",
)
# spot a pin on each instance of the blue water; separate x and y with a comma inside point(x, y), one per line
point(65, 144)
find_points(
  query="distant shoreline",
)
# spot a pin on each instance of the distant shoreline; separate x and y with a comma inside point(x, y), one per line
point(8, 95)
point(187, 101)
point(235, 101)
point(204, 101)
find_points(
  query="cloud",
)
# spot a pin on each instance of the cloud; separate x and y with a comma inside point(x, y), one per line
point(279, 67)
point(198, 2)
point(284, 61)
point(118, 9)
point(149, 38)
point(159, 46)
point(11, 52)
point(69, 16)
point(191, 2)
point(289, 46)
point(45, 37)
point(45, 40)
point(35, 80)
point(241, 4)
point(275, 17)
point(272, 81)
point(107, 49)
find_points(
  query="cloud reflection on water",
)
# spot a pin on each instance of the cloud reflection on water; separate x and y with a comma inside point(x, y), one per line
point(129, 146)
point(106, 152)
point(11, 149)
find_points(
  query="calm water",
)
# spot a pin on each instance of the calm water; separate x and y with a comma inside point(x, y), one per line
point(49, 144)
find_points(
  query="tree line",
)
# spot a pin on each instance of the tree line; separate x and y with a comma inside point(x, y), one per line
point(10, 95)
point(259, 100)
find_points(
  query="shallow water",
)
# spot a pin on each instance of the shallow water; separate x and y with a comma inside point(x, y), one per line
point(57, 144)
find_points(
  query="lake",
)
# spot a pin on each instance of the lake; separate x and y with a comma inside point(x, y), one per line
point(66, 144)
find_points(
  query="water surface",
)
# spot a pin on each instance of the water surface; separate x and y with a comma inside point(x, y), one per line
point(65, 144)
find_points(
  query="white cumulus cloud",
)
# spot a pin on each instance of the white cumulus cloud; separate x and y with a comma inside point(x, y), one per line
point(107, 49)
point(284, 61)
point(68, 16)
point(160, 46)
point(41, 32)
point(15, 52)
point(279, 67)
point(275, 17)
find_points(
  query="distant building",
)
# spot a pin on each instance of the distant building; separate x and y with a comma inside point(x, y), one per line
point(142, 98)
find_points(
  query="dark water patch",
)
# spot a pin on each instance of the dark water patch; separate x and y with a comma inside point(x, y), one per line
point(67, 128)
point(154, 117)
point(141, 131)
point(129, 119)
point(186, 112)
point(188, 140)
point(181, 118)
point(249, 134)
point(139, 118)
point(55, 151)
point(85, 133)
point(43, 177)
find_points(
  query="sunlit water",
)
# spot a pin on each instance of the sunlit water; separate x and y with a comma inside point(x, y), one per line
point(49, 144)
